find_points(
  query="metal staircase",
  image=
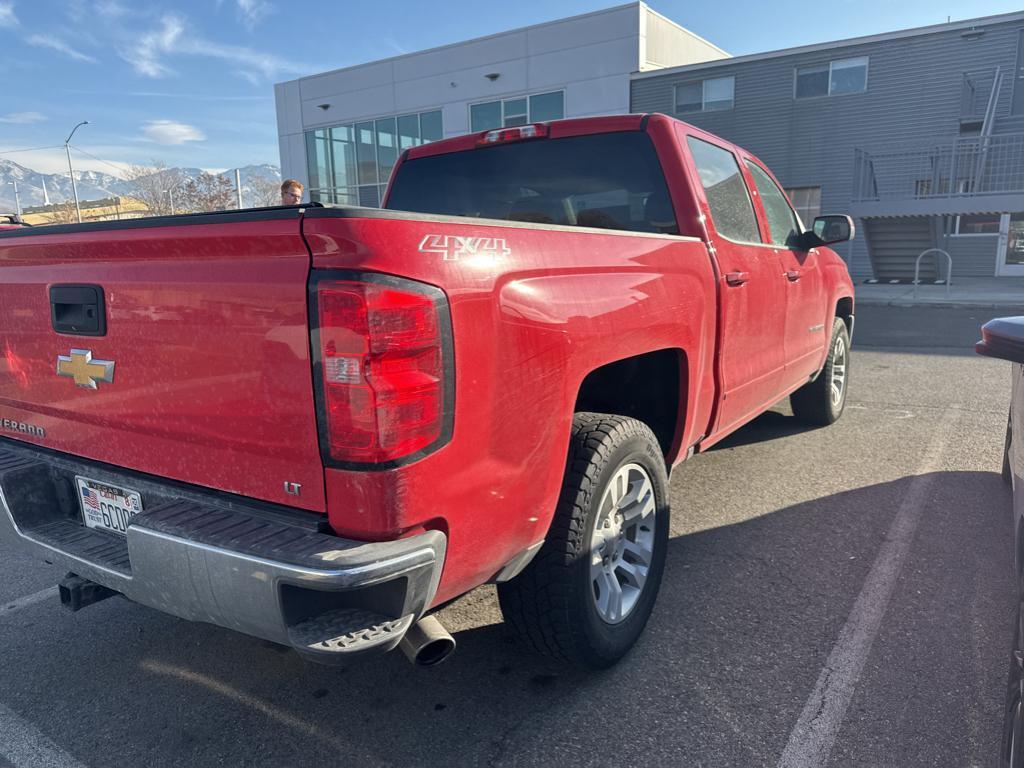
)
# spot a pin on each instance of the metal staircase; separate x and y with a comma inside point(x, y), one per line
point(894, 245)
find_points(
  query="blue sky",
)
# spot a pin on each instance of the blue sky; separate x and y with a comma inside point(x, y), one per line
point(191, 83)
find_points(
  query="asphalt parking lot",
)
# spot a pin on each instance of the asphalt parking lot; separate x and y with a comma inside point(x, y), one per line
point(836, 596)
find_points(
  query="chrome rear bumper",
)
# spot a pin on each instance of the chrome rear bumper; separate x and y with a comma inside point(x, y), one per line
point(250, 569)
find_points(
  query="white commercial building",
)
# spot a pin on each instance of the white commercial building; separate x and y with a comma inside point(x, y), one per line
point(341, 132)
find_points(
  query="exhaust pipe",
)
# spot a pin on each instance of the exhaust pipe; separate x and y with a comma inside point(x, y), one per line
point(427, 642)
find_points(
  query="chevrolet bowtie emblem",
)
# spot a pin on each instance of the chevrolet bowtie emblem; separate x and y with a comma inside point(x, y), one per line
point(86, 372)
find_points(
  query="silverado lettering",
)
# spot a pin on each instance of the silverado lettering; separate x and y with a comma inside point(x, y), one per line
point(20, 426)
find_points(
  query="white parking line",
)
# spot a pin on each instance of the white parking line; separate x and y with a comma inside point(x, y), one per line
point(814, 735)
point(23, 602)
point(24, 746)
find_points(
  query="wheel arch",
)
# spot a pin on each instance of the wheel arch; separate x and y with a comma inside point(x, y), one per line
point(651, 387)
point(844, 309)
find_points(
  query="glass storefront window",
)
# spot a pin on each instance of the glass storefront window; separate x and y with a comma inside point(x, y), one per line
point(351, 164)
point(485, 117)
point(978, 224)
point(387, 148)
point(1014, 256)
point(343, 155)
point(515, 113)
point(366, 153)
point(547, 106)
point(430, 126)
point(318, 158)
point(408, 132)
point(518, 111)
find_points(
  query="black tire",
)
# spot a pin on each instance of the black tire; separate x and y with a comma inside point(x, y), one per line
point(813, 402)
point(1006, 453)
point(552, 604)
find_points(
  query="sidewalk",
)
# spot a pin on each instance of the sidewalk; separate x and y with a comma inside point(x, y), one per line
point(983, 292)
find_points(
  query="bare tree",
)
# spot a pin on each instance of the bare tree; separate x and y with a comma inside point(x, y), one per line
point(208, 192)
point(63, 213)
point(156, 186)
point(265, 191)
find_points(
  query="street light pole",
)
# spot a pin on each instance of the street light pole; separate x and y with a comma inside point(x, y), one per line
point(74, 187)
point(170, 190)
point(17, 199)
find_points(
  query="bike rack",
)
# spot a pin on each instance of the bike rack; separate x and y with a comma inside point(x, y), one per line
point(949, 269)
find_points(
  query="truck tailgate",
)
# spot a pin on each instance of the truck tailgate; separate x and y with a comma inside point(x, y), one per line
point(207, 330)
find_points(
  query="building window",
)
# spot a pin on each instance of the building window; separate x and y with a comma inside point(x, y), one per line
point(351, 164)
point(978, 224)
point(521, 110)
point(807, 202)
point(705, 96)
point(833, 79)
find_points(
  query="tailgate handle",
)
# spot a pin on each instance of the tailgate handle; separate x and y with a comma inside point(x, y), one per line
point(78, 310)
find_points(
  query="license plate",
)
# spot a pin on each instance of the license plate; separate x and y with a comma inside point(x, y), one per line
point(106, 506)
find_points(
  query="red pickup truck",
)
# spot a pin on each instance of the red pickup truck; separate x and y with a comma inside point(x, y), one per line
point(317, 425)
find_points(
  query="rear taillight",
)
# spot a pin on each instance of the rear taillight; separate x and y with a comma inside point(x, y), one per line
point(384, 368)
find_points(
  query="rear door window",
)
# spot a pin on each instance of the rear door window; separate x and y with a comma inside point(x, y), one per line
point(607, 180)
point(725, 190)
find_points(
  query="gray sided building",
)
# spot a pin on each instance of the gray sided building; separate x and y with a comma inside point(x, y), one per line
point(918, 134)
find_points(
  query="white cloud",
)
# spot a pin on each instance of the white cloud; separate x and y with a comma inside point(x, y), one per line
point(170, 132)
point(171, 38)
point(55, 43)
point(253, 11)
point(111, 9)
point(145, 56)
point(7, 17)
point(23, 118)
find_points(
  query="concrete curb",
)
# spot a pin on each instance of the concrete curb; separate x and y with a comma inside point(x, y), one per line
point(952, 304)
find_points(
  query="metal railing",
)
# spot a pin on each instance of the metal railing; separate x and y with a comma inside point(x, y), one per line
point(968, 166)
point(949, 268)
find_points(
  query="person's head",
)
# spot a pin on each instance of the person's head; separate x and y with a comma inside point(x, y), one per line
point(291, 192)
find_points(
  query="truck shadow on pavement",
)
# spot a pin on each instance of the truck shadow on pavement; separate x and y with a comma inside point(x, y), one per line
point(770, 425)
point(747, 615)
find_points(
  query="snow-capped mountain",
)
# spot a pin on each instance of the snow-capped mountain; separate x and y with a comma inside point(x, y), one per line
point(93, 185)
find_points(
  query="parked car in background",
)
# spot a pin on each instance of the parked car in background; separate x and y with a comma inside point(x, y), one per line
point(11, 220)
point(1004, 338)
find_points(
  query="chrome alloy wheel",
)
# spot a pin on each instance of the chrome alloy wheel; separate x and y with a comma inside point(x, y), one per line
point(838, 370)
point(622, 544)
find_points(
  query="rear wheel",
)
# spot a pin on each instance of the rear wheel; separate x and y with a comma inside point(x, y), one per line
point(822, 401)
point(587, 595)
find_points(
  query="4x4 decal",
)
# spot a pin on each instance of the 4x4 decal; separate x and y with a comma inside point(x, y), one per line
point(455, 247)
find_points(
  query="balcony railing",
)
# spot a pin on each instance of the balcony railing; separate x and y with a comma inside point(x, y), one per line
point(964, 167)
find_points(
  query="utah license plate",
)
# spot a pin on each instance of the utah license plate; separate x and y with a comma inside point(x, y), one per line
point(106, 506)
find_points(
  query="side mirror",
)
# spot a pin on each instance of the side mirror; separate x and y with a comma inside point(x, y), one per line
point(1002, 337)
point(834, 228)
